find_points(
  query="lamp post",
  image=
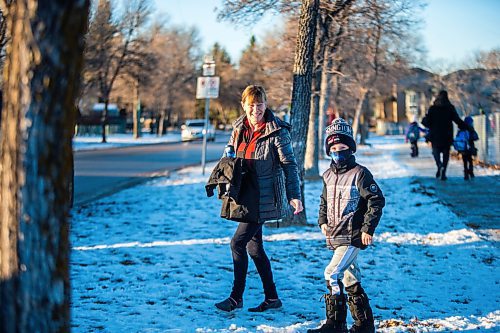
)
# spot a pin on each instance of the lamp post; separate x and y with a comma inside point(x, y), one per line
point(207, 87)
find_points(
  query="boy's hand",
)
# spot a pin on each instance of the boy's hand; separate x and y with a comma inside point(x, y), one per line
point(297, 204)
point(323, 229)
point(366, 239)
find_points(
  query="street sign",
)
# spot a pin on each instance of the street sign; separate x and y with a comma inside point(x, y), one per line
point(207, 87)
point(209, 69)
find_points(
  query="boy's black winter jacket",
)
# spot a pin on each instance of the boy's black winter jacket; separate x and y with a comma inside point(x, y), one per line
point(351, 203)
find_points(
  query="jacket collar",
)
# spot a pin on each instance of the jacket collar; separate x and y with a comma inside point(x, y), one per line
point(273, 124)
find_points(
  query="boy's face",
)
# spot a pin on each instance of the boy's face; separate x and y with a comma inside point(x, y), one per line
point(338, 147)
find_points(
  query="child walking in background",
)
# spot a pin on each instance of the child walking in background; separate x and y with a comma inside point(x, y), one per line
point(350, 210)
point(468, 148)
point(412, 135)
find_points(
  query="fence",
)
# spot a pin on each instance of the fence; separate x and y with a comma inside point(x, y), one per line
point(488, 129)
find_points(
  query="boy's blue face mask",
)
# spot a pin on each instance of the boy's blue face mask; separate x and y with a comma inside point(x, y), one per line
point(340, 157)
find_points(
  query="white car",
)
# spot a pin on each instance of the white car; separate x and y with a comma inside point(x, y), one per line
point(193, 129)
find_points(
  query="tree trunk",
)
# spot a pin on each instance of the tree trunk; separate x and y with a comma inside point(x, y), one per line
point(104, 120)
point(313, 143)
point(135, 111)
point(42, 78)
point(162, 122)
point(301, 91)
point(359, 111)
point(324, 101)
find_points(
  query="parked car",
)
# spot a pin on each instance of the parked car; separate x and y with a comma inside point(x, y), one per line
point(193, 129)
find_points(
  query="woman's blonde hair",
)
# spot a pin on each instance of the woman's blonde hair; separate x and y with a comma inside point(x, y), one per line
point(254, 93)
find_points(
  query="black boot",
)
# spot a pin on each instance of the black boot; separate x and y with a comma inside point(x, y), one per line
point(336, 315)
point(443, 173)
point(438, 172)
point(360, 310)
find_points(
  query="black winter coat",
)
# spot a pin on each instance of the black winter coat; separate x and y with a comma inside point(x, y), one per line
point(275, 167)
point(351, 203)
point(439, 120)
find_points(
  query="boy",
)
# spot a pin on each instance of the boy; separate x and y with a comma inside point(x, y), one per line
point(350, 209)
point(471, 151)
point(412, 135)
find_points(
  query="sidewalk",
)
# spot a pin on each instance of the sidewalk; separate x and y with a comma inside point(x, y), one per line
point(155, 258)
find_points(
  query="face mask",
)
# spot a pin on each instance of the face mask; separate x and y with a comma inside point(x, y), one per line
point(340, 157)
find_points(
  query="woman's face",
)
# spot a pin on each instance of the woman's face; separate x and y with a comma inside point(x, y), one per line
point(254, 110)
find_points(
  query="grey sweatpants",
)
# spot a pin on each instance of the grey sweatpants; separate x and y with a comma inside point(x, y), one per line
point(343, 267)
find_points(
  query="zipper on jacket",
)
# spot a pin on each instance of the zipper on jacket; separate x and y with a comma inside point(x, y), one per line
point(338, 205)
point(334, 197)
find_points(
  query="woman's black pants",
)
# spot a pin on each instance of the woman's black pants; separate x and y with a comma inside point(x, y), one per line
point(248, 240)
point(436, 152)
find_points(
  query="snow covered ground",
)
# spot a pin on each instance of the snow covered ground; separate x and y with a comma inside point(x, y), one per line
point(156, 257)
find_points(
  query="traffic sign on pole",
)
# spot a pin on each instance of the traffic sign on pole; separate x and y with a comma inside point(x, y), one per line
point(207, 87)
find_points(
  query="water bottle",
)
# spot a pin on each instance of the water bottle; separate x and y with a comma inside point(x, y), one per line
point(229, 151)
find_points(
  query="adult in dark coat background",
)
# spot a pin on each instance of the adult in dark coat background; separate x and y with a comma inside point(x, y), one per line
point(439, 120)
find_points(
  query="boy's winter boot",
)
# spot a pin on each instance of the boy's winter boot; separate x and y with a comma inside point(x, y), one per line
point(360, 310)
point(336, 315)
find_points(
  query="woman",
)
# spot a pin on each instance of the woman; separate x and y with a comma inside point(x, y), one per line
point(264, 143)
point(439, 120)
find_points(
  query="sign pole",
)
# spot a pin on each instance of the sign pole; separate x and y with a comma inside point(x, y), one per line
point(207, 87)
point(204, 150)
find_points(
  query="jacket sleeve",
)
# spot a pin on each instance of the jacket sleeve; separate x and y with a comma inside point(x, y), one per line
point(372, 193)
point(427, 120)
point(287, 161)
point(456, 119)
point(323, 218)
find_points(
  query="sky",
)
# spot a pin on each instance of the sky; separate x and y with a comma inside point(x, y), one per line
point(452, 29)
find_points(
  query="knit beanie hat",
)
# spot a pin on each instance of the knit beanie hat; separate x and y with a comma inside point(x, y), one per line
point(339, 131)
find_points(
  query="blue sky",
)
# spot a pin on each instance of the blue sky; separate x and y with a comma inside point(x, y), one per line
point(452, 29)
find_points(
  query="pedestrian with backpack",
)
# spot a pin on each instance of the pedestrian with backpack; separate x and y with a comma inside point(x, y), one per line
point(350, 210)
point(464, 144)
point(413, 135)
point(439, 120)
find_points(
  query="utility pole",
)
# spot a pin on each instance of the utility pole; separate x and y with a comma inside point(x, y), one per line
point(207, 88)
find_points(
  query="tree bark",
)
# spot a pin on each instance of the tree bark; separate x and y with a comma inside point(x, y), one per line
point(313, 134)
point(301, 91)
point(42, 78)
point(324, 100)
point(359, 111)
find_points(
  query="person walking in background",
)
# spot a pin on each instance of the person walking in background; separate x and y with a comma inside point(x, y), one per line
point(264, 144)
point(464, 144)
point(413, 135)
point(350, 210)
point(439, 120)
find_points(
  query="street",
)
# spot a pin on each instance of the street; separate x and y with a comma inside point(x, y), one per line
point(101, 172)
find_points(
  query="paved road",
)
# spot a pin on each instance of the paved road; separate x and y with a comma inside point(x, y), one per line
point(102, 172)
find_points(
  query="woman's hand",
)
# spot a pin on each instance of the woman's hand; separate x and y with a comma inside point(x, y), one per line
point(366, 239)
point(297, 204)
